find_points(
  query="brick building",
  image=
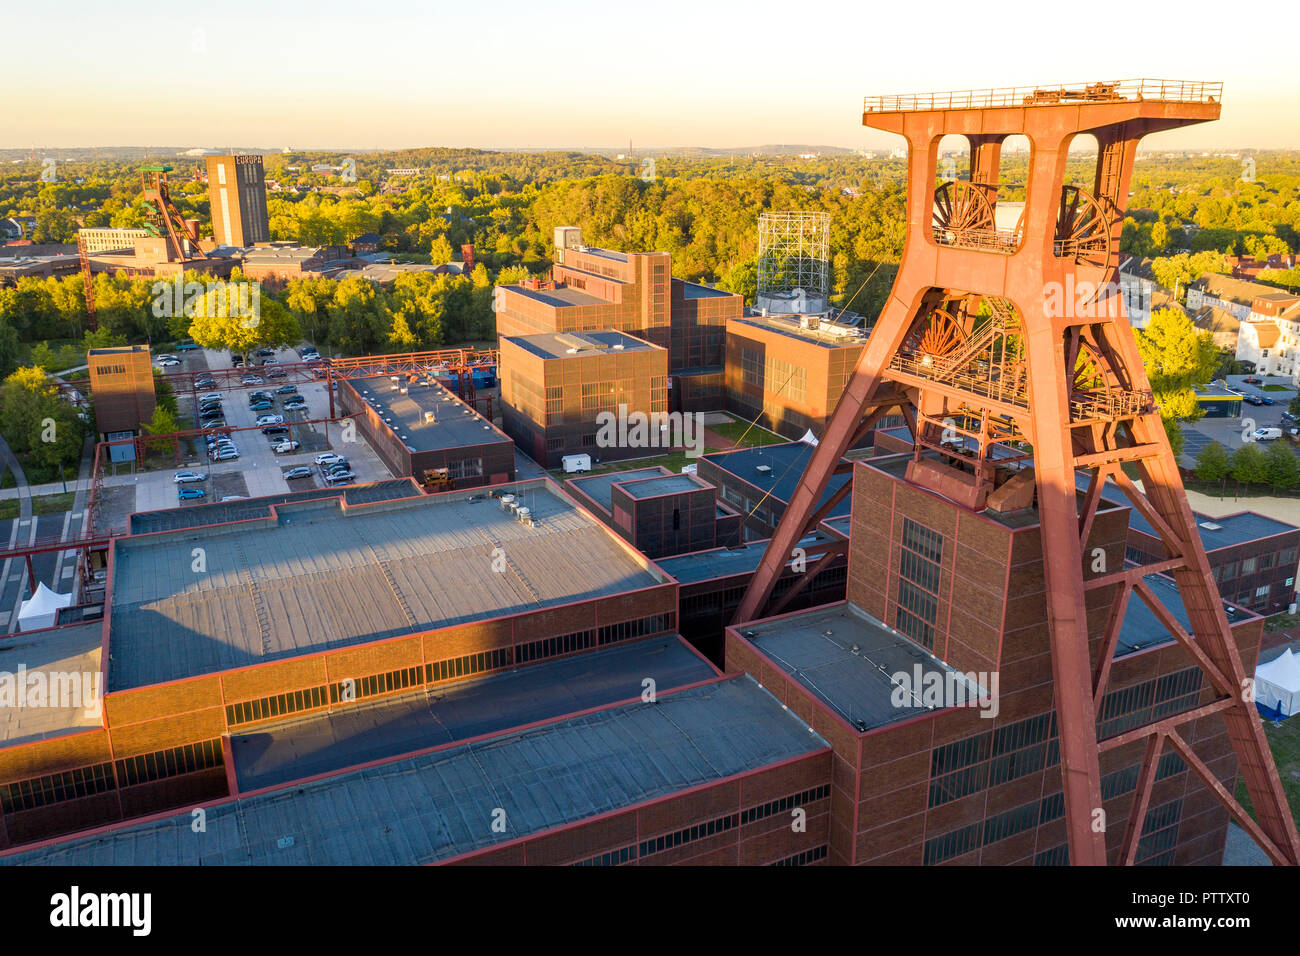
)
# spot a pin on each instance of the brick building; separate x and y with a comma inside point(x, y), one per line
point(658, 512)
point(417, 424)
point(555, 385)
point(237, 195)
point(923, 784)
point(592, 289)
point(121, 389)
point(789, 371)
point(443, 693)
point(1254, 558)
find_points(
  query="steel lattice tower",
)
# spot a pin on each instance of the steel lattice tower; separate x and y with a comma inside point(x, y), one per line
point(969, 341)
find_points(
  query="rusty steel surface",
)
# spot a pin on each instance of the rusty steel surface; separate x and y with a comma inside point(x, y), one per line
point(968, 335)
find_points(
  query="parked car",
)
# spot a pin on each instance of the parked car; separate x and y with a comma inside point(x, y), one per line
point(1252, 400)
point(341, 465)
point(277, 373)
point(212, 406)
point(299, 472)
point(259, 395)
point(296, 405)
point(341, 478)
point(212, 421)
point(184, 476)
point(1290, 419)
point(235, 498)
point(251, 379)
point(284, 447)
point(225, 455)
point(186, 347)
point(327, 457)
point(1266, 434)
point(269, 420)
point(185, 493)
point(266, 351)
point(169, 361)
point(287, 390)
point(1265, 400)
point(236, 360)
point(275, 430)
point(261, 405)
point(209, 396)
point(205, 381)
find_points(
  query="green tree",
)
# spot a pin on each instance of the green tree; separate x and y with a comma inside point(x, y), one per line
point(1282, 467)
point(1177, 355)
point(38, 425)
point(1213, 462)
point(1249, 466)
point(216, 325)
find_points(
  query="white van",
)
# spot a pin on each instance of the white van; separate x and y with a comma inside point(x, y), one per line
point(576, 464)
point(1266, 434)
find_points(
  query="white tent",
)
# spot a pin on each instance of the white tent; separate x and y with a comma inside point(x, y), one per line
point(1277, 683)
point(41, 608)
point(809, 438)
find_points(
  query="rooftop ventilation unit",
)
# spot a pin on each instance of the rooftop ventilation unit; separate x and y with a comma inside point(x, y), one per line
point(431, 418)
point(1211, 526)
point(763, 469)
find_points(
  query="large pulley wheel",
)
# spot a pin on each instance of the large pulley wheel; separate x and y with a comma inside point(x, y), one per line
point(961, 208)
point(1083, 233)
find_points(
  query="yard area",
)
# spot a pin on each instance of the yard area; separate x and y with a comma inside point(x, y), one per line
point(1284, 741)
point(46, 505)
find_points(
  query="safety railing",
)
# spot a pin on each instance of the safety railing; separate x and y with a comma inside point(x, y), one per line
point(1111, 91)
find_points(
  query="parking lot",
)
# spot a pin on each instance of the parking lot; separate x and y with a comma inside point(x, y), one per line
point(258, 470)
point(1232, 432)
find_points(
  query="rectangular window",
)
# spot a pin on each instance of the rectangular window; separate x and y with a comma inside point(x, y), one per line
point(918, 582)
point(1248, 566)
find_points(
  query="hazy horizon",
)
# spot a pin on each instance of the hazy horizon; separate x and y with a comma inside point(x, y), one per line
point(397, 73)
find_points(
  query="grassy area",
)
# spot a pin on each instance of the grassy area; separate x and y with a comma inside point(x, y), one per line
point(673, 461)
point(45, 505)
point(1284, 741)
point(1275, 388)
point(747, 435)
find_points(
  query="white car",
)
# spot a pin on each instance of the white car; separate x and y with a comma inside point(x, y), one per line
point(283, 447)
point(183, 476)
point(266, 420)
point(328, 458)
point(210, 397)
point(235, 498)
point(168, 362)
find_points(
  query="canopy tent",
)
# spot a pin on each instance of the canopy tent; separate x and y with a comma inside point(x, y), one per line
point(41, 609)
point(809, 438)
point(1277, 683)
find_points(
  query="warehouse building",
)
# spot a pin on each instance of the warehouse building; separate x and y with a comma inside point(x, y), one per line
point(660, 513)
point(788, 371)
point(456, 655)
point(417, 427)
point(558, 390)
point(121, 389)
point(935, 589)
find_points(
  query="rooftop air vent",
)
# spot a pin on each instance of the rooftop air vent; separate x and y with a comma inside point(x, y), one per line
point(431, 418)
point(1211, 526)
point(763, 469)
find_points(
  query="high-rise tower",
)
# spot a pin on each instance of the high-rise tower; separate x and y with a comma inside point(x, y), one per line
point(1010, 347)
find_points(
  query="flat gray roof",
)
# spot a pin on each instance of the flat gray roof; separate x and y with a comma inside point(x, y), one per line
point(455, 424)
point(434, 806)
point(789, 326)
point(1223, 532)
point(664, 485)
point(323, 577)
point(695, 290)
point(558, 345)
point(220, 512)
point(723, 562)
point(58, 654)
point(330, 742)
point(560, 297)
point(599, 487)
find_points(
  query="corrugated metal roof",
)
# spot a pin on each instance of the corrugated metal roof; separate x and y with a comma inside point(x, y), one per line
point(327, 578)
point(427, 808)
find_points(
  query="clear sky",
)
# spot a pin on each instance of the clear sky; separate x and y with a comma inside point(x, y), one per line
point(391, 73)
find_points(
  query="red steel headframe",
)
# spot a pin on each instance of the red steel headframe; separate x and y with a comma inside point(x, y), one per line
point(968, 336)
